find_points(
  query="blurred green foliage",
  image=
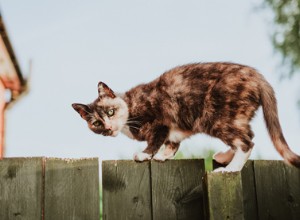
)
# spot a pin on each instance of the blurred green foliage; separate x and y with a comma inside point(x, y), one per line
point(286, 32)
point(205, 153)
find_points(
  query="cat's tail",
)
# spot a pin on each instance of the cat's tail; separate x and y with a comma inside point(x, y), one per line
point(269, 105)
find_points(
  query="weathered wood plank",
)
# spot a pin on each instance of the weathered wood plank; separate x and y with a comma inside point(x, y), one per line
point(71, 189)
point(126, 190)
point(278, 190)
point(224, 196)
point(21, 188)
point(177, 189)
point(249, 191)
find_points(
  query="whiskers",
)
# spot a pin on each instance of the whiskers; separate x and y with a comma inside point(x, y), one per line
point(133, 123)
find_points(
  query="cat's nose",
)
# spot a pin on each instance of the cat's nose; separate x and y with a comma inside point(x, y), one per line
point(108, 127)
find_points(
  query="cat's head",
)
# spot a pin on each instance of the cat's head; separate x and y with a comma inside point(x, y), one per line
point(107, 115)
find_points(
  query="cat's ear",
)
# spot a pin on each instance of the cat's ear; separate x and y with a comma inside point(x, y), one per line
point(82, 109)
point(104, 90)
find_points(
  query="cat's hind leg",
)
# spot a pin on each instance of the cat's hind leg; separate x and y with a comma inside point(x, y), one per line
point(224, 157)
point(241, 155)
point(168, 152)
point(239, 138)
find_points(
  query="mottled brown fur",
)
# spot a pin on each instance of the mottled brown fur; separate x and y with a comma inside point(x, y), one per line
point(206, 98)
point(218, 99)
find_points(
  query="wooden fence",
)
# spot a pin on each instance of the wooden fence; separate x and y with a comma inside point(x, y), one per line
point(49, 188)
point(180, 189)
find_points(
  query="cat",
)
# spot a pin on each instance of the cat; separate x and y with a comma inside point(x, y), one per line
point(218, 99)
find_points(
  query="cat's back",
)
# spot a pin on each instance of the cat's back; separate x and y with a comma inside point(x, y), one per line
point(204, 76)
point(205, 71)
point(194, 80)
point(182, 94)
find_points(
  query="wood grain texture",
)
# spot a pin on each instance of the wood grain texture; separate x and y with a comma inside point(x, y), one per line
point(278, 190)
point(126, 190)
point(177, 189)
point(21, 188)
point(71, 189)
point(224, 196)
point(249, 191)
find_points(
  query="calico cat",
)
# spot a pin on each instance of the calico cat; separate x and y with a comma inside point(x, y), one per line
point(218, 99)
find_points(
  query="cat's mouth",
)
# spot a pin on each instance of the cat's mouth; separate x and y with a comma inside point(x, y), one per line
point(110, 133)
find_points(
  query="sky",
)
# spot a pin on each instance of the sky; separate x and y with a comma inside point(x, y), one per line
point(75, 44)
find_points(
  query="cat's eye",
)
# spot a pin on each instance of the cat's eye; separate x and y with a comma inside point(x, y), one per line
point(110, 112)
point(97, 123)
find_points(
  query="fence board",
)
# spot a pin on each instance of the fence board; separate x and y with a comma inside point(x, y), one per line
point(249, 191)
point(278, 190)
point(71, 189)
point(21, 188)
point(177, 189)
point(126, 190)
point(224, 196)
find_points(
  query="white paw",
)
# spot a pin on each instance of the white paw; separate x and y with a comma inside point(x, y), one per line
point(224, 170)
point(220, 169)
point(142, 156)
point(161, 157)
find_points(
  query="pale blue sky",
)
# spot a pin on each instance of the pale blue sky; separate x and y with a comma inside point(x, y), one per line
point(74, 44)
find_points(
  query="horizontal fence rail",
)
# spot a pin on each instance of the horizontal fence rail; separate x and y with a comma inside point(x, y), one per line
point(49, 188)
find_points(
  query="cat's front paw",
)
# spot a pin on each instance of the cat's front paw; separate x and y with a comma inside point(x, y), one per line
point(161, 157)
point(142, 156)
